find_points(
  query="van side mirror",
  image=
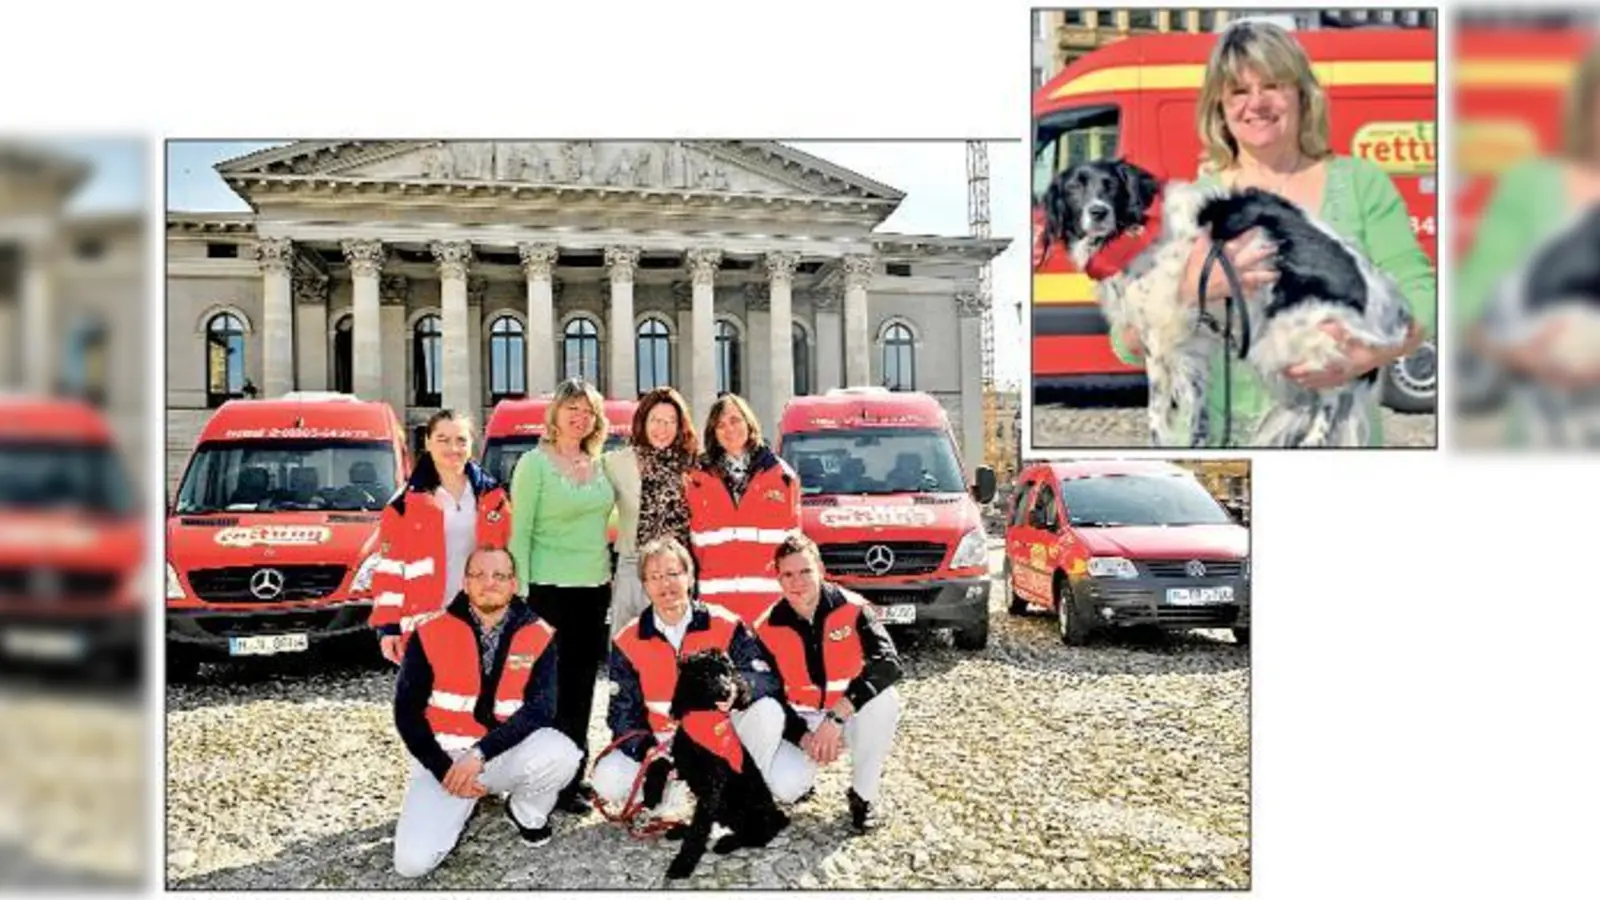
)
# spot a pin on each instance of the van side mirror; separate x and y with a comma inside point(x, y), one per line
point(983, 490)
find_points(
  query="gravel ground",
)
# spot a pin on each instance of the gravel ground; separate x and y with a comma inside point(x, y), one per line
point(1057, 426)
point(1120, 765)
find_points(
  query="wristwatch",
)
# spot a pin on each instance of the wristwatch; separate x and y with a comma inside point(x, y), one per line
point(833, 716)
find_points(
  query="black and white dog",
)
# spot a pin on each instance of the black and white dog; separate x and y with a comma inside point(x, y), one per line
point(1321, 277)
point(709, 757)
point(1558, 283)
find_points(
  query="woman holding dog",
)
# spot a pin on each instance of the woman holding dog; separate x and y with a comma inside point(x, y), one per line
point(742, 501)
point(648, 476)
point(1263, 120)
point(561, 501)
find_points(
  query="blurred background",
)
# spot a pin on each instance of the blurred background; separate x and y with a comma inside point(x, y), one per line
point(1526, 353)
point(73, 436)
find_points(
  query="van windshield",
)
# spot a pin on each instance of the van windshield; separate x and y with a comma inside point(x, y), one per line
point(265, 476)
point(53, 475)
point(500, 455)
point(874, 461)
point(1108, 501)
point(1071, 136)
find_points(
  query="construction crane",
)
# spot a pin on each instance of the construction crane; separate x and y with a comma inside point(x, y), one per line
point(978, 221)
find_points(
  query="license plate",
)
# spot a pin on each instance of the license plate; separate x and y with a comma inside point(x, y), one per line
point(268, 644)
point(52, 645)
point(1206, 596)
point(898, 614)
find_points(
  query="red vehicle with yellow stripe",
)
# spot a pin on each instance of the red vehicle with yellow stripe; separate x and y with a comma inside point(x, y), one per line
point(1135, 100)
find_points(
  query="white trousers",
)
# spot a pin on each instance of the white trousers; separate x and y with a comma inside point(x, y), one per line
point(628, 598)
point(760, 729)
point(529, 775)
point(868, 736)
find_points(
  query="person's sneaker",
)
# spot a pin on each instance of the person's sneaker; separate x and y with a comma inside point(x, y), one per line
point(863, 817)
point(574, 803)
point(534, 837)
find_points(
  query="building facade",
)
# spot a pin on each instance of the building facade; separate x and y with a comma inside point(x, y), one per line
point(433, 274)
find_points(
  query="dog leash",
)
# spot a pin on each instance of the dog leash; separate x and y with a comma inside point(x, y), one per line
point(1236, 290)
point(633, 816)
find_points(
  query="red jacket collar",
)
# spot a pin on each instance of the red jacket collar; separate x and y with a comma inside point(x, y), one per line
point(1114, 257)
point(713, 730)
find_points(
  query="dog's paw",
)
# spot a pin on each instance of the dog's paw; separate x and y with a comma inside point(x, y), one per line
point(727, 844)
point(655, 782)
point(681, 867)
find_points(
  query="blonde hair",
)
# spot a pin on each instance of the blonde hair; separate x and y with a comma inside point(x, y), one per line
point(578, 389)
point(1580, 119)
point(666, 546)
point(1273, 55)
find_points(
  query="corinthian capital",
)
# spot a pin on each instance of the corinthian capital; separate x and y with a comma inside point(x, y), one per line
point(365, 257)
point(275, 255)
point(969, 304)
point(781, 265)
point(622, 261)
point(858, 271)
point(703, 265)
point(538, 260)
point(453, 258)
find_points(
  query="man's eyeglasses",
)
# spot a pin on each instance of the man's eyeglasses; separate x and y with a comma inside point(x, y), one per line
point(496, 577)
point(663, 577)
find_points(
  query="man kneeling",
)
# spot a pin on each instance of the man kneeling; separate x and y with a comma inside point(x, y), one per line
point(838, 668)
point(475, 706)
point(644, 673)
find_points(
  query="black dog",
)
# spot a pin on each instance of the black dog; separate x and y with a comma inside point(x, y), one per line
point(708, 756)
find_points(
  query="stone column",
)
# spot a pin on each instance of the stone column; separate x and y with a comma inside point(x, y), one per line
point(857, 338)
point(755, 386)
point(36, 338)
point(394, 291)
point(622, 261)
point(538, 264)
point(702, 380)
point(311, 329)
point(969, 310)
point(830, 342)
point(454, 258)
point(366, 338)
point(277, 317)
point(780, 274)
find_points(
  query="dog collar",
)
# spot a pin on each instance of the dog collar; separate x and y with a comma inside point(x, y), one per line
point(714, 731)
point(1114, 256)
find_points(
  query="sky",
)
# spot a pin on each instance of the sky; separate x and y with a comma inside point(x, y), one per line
point(119, 173)
point(932, 175)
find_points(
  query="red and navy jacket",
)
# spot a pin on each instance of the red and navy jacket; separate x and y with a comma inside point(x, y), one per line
point(847, 653)
point(428, 714)
point(408, 581)
point(733, 540)
point(644, 671)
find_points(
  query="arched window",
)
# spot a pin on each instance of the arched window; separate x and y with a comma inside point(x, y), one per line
point(728, 374)
point(581, 356)
point(344, 379)
point(653, 354)
point(84, 370)
point(508, 367)
point(427, 361)
point(802, 361)
point(899, 359)
point(224, 359)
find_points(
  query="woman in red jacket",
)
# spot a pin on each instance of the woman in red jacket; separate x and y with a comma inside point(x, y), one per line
point(743, 500)
point(449, 507)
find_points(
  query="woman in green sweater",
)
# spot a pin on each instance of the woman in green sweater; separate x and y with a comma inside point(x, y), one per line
point(1263, 122)
point(561, 500)
point(1531, 202)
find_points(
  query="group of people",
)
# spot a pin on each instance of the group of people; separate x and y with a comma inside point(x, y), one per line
point(493, 602)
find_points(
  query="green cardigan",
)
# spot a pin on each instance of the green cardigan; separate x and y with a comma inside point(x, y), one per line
point(1528, 203)
point(558, 528)
point(1361, 203)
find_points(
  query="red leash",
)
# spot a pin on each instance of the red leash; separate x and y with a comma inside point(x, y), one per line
point(633, 816)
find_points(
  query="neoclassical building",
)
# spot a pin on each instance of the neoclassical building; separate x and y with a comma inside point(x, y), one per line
point(455, 274)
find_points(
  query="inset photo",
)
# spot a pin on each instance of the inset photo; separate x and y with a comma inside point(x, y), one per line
point(1234, 229)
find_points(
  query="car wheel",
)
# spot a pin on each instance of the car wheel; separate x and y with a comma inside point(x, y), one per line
point(1018, 605)
point(972, 637)
point(1068, 623)
point(1241, 636)
point(1411, 385)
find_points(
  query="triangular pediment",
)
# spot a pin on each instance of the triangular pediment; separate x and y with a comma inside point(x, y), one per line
point(737, 167)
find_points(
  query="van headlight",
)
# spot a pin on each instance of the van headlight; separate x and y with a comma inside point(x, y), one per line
point(362, 583)
point(1111, 567)
point(972, 552)
point(174, 587)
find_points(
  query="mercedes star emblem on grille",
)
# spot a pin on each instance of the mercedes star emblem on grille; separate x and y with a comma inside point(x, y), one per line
point(880, 559)
point(1195, 568)
point(266, 584)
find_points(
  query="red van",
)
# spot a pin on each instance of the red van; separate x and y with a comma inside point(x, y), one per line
point(272, 538)
point(884, 496)
point(72, 591)
point(1114, 543)
point(1135, 100)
